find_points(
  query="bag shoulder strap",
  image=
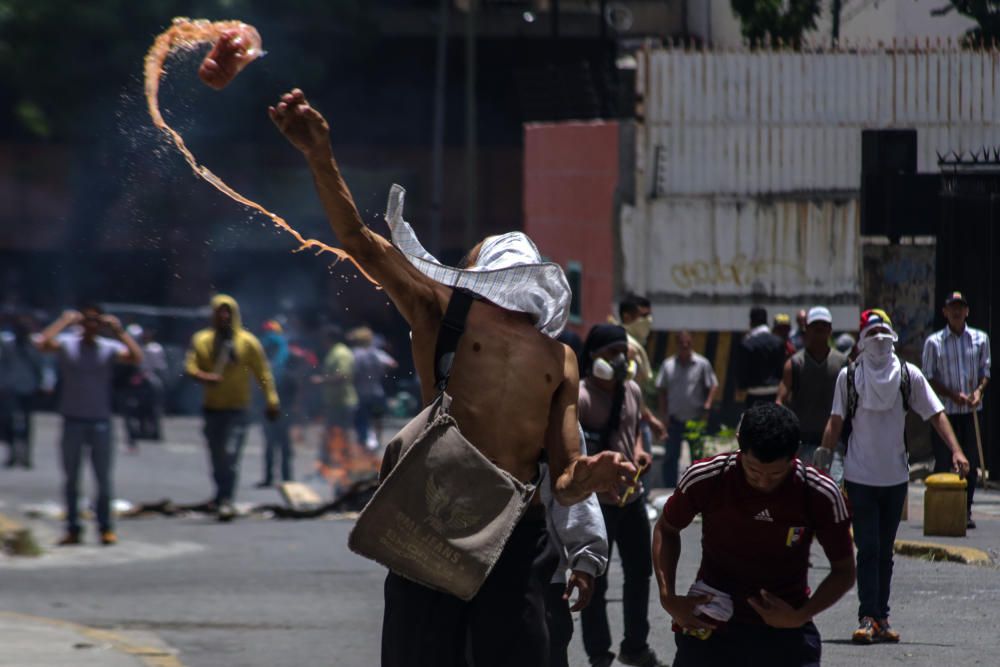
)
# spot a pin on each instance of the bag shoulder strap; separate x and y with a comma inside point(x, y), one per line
point(904, 385)
point(852, 390)
point(614, 416)
point(450, 332)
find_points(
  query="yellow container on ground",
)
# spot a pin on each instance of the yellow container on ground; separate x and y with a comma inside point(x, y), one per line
point(945, 509)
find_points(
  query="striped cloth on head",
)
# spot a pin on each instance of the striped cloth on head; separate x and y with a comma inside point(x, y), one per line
point(509, 271)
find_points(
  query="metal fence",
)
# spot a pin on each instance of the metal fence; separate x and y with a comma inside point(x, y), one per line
point(778, 121)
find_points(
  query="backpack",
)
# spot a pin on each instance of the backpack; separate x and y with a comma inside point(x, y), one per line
point(852, 399)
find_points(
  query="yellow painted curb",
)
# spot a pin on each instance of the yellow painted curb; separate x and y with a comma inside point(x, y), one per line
point(150, 656)
point(935, 551)
point(9, 525)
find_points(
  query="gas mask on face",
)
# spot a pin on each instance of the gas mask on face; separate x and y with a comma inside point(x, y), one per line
point(640, 328)
point(877, 349)
point(618, 369)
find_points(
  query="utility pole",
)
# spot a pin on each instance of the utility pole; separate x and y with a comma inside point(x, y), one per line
point(437, 156)
point(471, 171)
point(835, 10)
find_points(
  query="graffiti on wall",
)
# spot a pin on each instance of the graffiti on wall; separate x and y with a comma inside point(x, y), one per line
point(900, 279)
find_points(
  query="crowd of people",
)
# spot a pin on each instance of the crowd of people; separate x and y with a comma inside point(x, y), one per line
point(821, 450)
point(761, 505)
point(92, 366)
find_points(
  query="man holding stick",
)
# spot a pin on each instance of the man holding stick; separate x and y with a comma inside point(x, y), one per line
point(956, 362)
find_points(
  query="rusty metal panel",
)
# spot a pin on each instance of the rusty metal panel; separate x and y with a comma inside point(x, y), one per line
point(709, 248)
point(766, 122)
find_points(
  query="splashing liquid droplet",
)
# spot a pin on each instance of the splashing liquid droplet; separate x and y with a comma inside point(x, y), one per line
point(186, 34)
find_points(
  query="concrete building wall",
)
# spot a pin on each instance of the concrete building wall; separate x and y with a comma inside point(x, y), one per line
point(570, 183)
point(860, 22)
point(748, 170)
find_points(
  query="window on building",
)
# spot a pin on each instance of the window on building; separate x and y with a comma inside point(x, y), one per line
point(574, 274)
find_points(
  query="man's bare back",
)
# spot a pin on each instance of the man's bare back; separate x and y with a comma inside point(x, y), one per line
point(515, 390)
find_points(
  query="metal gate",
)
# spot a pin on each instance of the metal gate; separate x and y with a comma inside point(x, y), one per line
point(968, 244)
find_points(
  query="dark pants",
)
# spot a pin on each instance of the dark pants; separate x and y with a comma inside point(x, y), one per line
point(965, 433)
point(751, 646)
point(16, 426)
point(370, 408)
point(675, 436)
point(143, 401)
point(502, 626)
point(560, 624)
point(876, 512)
point(277, 439)
point(225, 432)
point(628, 527)
point(77, 435)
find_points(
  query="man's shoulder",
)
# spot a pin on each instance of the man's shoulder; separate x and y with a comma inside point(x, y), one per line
point(700, 359)
point(248, 338)
point(936, 337)
point(822, 490)
point(633, 388)
point(977, 334)
point(713, 468)
point(201, 335)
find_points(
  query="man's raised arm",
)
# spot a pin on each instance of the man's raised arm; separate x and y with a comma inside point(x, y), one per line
point(306, 129)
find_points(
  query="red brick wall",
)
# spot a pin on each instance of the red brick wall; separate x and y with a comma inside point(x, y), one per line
point(570, 176)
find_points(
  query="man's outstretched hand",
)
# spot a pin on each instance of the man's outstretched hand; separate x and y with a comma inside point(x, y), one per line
point(303, 126)
point(607, 472)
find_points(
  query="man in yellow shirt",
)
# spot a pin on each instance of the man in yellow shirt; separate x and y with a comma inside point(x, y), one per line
point(222, 357)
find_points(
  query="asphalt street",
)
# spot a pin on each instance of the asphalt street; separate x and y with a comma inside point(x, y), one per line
point(261, 592)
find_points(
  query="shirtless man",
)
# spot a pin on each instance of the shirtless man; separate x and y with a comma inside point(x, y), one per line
point(515, 393)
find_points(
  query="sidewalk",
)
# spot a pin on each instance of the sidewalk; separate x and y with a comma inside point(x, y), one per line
point(32, 641)
point(984, 538)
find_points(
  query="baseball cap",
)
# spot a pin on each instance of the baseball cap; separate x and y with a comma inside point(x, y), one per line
point(272, 326)
point(782, 318)
point(819, 314)
point(876, 317)
point(956, 297)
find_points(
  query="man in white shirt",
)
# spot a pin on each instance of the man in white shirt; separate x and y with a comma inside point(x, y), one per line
point(870, 410)
point(956, 362)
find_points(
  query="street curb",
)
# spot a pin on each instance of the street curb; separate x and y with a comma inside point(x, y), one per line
point(150, 656)
point(935, 551)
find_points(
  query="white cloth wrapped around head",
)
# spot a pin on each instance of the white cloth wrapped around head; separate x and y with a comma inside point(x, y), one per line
point(879, 373)
point(509, 271)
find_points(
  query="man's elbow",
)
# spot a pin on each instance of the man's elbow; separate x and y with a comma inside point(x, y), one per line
point(846, 571)
point(665, 529)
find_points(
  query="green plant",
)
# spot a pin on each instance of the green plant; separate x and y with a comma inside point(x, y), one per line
point(986, 13)
point(785, 21)
point(727, 432)
point(694, 433)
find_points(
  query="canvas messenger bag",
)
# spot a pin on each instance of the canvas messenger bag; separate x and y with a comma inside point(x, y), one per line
point(443, 512)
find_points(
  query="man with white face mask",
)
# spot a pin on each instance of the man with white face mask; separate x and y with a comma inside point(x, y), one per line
point(610, 412)
point(876, 469)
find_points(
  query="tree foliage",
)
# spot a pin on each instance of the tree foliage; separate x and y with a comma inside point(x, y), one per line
point(61, 58)
point(986, 13)
point(784, 20)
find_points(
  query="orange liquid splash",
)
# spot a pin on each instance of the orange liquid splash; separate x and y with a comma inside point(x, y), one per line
point(185, 35)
